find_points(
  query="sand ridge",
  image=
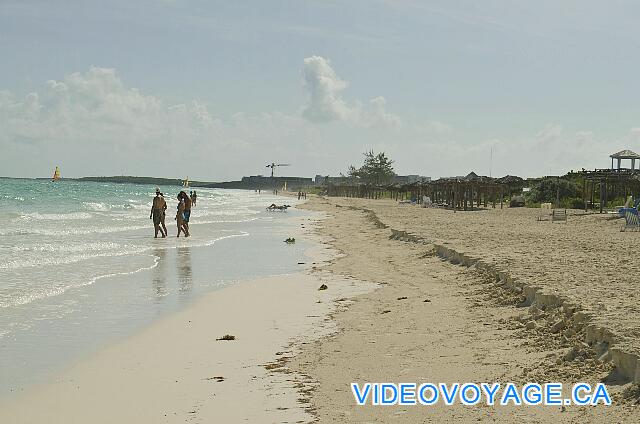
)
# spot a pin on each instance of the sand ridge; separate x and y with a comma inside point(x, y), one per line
point(470, 329)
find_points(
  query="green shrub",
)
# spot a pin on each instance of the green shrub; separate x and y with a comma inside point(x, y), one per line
point(547, 190)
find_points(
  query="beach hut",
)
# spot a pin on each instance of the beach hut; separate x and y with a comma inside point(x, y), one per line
point(624, 154)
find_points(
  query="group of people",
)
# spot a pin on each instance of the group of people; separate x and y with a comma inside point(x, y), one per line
point(302, 195)
point(159, 208)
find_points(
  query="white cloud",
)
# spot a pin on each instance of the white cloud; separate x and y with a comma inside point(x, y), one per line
point(326, 103)
point(93, 123)
point(97, 107)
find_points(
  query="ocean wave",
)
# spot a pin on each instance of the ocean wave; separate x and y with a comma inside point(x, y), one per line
point(92, 251)
point(36, 216)
point(106, 207)
point(61, 288)
point(18, 198)
point(60, 247)
point(68, 231)
point(96, 206)
point(52, 260)
point(45, 292)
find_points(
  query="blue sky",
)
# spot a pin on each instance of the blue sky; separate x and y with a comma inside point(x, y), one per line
point(217, 89)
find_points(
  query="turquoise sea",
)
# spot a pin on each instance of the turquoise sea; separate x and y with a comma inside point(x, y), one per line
point(79, 267)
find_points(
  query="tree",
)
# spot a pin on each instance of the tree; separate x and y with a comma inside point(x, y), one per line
point(549, 188)
point(377, 169)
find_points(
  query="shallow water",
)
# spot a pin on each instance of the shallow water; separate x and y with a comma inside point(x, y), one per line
point(79, 266)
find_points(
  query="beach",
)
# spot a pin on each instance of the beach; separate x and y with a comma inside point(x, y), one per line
point(437, 319)
point(175, 369)
point(412, 295)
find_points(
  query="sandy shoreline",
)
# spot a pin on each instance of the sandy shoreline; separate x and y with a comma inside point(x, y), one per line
point(434, 321)
point(168, 372)
point(394, 311)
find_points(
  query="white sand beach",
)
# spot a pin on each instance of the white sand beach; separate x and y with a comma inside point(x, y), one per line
point(176, 370)
point(394, 310)
point(432, 320)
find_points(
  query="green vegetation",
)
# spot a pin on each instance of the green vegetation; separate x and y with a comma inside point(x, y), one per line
point(377, 169)
point(548, 189)
point(569, 190)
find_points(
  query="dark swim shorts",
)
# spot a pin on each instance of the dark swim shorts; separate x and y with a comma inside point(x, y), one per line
point(157, 216)
point(186, 215)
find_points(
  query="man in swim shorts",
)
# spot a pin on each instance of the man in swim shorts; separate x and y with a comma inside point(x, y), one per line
point(157, 213)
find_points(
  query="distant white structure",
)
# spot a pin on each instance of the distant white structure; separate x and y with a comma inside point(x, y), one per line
point(417, 179)
point(396, 179)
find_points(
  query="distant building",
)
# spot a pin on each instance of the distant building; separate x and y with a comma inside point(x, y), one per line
point(259, 181)
point(255, 182)
point(418, 179)
point(396, 179)
point(325, 179)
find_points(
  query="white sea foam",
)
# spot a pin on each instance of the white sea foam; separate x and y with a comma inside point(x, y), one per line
point(60, 288)
point(66, 248)
point(126, 205)
point(19, 298)
point(35, 216)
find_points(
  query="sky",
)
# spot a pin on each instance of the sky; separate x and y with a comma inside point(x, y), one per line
point(215, 90)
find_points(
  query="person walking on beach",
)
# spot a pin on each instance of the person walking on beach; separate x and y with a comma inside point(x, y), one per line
point(186, 214)
point(183, 214)
point(194, 198)
point(180, 215)
point(157, 211)
point(164, 213)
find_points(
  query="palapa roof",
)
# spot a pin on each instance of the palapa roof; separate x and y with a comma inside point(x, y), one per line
point(471, 176)
point(625, 154)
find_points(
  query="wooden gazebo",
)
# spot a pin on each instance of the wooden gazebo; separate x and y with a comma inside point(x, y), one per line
point(625, 154)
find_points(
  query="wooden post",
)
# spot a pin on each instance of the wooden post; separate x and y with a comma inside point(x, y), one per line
point(601, 195)
point(584, 192)
point(454, 197)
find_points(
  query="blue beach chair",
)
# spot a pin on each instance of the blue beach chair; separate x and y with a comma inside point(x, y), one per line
point(631, 219)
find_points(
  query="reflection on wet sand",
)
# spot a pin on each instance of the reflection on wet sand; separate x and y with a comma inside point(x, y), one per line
point(160, 274)
point(183, 259)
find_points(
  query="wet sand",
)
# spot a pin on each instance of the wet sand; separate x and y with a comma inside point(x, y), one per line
point(394, 310)
point(176, 371)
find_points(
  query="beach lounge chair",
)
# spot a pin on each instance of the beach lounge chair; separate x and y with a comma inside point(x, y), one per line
point(631, 221)
point(559, 215)
point(545, 212)
point(626, 205)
